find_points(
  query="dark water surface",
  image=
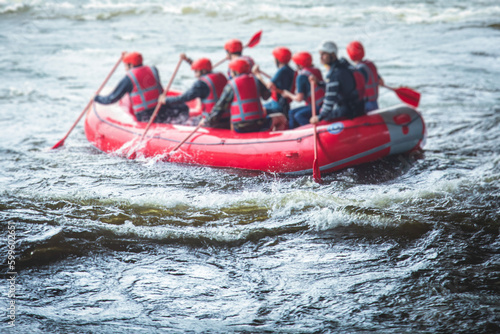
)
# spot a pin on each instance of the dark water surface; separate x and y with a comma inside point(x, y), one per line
point(108, 245)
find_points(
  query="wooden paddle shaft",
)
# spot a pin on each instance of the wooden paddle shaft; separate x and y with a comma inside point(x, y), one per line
point(61, 142)
point(158, 105)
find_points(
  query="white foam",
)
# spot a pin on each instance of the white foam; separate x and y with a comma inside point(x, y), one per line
point(13, 8)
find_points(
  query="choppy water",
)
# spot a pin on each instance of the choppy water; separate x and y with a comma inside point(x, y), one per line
point(108, 245)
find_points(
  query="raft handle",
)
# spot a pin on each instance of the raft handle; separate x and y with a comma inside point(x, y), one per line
point(292, 154)
point(402, 119)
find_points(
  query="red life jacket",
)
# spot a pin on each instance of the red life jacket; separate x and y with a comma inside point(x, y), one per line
point(355, 99)
point(371, 85)
point(147, 88)
point(359, 78)
point(216, 83)
point(246, 105)
point(319, 92)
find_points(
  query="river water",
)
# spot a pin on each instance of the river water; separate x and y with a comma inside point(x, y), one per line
point(108, 245)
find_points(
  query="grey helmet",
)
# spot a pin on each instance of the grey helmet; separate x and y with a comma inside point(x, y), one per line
point(328, 47)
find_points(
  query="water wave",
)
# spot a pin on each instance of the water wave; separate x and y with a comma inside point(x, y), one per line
point(18, 8)
point(181, 217)
point(280, 12)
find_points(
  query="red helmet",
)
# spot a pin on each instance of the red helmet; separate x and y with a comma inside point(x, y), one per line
point(355, 51)
point(233, 45)
point(134, 58)
point(240, 65)
point(282, 54)
point(303, 59)
point(202, 64)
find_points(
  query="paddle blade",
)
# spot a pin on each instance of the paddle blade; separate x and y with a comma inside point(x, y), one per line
point(58, 144)
point(132, 156)
point(408, 96)
point(254, 40)
point(316, 172)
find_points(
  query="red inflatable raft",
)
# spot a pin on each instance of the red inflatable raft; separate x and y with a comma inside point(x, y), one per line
point(399, 129)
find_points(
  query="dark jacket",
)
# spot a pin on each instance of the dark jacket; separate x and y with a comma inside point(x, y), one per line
point(198, 89)
point(342, 98)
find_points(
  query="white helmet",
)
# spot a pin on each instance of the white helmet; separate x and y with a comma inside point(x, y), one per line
point(328, 47)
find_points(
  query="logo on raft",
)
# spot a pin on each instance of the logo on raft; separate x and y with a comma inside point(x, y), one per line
point(335, 128)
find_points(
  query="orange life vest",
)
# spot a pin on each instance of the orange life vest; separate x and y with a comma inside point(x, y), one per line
point(147, 88)
point(371, 84)
point(319, 92)
point(246, 105)
point(216, 83)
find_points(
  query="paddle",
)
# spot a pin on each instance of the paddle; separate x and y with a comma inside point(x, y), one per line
point(265, 74)
point(251, 43)
point(280, 91)
point(157, 108)
point(188, 136)
point(407, 95)
point(61, 142)
point(316, 171)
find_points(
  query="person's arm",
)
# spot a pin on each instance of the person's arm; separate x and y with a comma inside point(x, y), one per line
point(381, 81)
point(256, 72)
point(124, 86)
point(340, 80)
point(332, 97)
point(221, 106)
point(186, 58)
point(199, 89)
point(270, 85)
point(264, 92)
point(302, 90)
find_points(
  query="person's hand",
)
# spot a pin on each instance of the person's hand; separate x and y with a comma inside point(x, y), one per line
point(313, 79)
point(162, 98)
point(286, 94)
point(271, 85)
point(183, 56)
point(255, 69)
point(314, 120)
point(381, 81)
